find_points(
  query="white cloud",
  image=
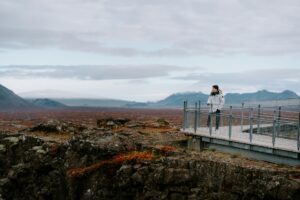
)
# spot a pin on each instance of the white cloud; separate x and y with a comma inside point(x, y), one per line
point(247, 80)
point(194, 27)
point(91, 72)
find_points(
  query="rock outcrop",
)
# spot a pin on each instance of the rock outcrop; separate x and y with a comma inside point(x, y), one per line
point(122, 164)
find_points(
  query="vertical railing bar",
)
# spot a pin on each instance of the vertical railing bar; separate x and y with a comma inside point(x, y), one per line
point(195, 118)
point(298, 143)
point(251, 125)
point(184, 115)
point(242, 117)
point(230, 123)
point(210, 120)
point(199, 113)
point(274, 129)
point(258, 119)
point(278, 121)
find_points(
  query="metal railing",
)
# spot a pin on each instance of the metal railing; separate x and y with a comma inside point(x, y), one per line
point(266, 124)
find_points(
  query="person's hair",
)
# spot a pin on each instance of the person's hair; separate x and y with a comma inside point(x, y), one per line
point(216, 87)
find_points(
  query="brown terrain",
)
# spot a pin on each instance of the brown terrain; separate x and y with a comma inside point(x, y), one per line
point(119, 153)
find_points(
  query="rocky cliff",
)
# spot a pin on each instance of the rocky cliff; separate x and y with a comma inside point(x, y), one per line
point(124, 159)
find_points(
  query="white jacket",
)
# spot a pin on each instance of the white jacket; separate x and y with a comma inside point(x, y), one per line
point(217, 101)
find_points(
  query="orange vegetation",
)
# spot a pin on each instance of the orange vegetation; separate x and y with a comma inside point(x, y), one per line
point(165, 150)
point(168, 148)
point(116, 160)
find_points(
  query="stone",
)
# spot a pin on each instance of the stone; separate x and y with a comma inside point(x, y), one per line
point(14, 140)
point(3, 181)
point(110, 122)
point(127, 169)
point(2, 148)
point(37, 148)
point(52, 126)
point(137, 177)
point(41, 151)
point(177, 196)
point(176, 176)
point(163, 122)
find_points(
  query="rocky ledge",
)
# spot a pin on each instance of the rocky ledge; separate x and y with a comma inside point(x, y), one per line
point(124, 159)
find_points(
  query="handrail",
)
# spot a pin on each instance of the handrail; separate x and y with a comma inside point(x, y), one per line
point(278, 119)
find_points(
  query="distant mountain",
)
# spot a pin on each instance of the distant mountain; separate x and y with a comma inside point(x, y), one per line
point(96, 102)
point(47, 103)
point(176, 100)
point(261, 95)
point(48, 93)
point(10, 101)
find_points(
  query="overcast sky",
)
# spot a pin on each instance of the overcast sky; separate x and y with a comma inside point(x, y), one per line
point(146, 50)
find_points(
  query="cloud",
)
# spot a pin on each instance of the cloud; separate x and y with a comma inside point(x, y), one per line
point(178, 28)
point(90, 72)
point(248, 80)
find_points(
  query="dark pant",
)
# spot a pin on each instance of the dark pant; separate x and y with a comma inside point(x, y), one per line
point(217, 113)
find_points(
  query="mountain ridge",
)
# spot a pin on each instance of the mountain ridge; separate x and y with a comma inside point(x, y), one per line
point(9, 100)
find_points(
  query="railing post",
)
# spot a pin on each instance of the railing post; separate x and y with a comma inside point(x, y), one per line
point(274, 128)
point(184, 115)
point(230, 123)
point(298, 143)
point(251, 125)
point(210, 120)
point(196, 118)
point(242, 117)
point(199, 113)
point(187, 115)
point(278, 121)
point(258, 119)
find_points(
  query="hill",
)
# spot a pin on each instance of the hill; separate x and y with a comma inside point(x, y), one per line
point(10, 101)
point(261, 95)
point(47, 103)
point(80, 102)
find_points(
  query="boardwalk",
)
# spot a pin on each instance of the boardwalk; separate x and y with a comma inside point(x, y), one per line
point(270, 135)
point(238, 136)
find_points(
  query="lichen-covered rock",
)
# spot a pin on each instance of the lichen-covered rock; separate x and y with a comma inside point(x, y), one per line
point(112, 123)
point(2, 148)
point(163, 122)
point(13, 140)
point(52, 126)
